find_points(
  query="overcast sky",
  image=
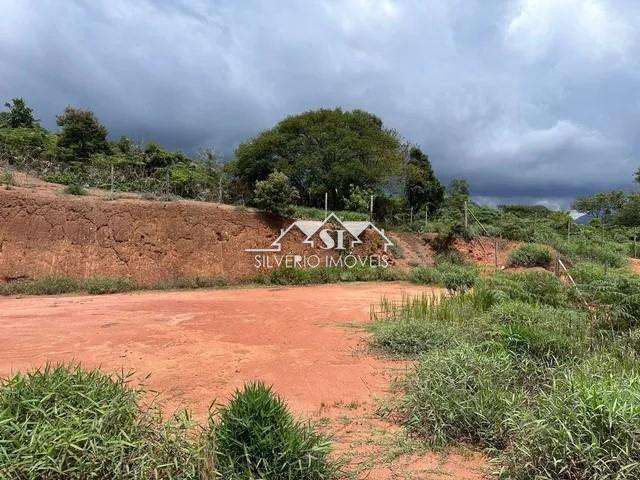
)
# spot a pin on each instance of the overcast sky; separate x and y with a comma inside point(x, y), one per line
point(530, 100)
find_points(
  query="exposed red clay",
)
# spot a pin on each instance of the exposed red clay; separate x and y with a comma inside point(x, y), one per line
point(198, 346)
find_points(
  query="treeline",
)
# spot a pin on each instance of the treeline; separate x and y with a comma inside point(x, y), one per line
point(343, 157)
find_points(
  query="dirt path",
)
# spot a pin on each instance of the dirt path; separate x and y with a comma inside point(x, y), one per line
point(200, 345)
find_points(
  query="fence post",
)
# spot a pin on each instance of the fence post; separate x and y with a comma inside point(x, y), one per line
point(411, 216)
point(112, 179)
point(634, 246)
point(371, 209)
point(220, 188)
point(326, 202)
point(495, 251)
point(569, 228)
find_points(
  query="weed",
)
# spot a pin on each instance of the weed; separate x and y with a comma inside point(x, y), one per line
point(585, 426)
point(75, 189)
point(65, 422)
point(530, 255)
point(257, 437)
point(104, 285)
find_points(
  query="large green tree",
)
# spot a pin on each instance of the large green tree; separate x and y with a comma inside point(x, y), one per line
point(18, 116)
point(421, 185)
point(603, 204)
point(82, 135)
point(322, 151)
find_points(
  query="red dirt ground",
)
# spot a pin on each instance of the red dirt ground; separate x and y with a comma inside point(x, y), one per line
point(201, 345)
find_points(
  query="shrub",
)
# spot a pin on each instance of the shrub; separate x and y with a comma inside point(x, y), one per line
point(539, 333)
point(452, 276)
point(67, 423)
point(104, 285)
point(533, 287)
point(75, 189)
point(275, 194)
point(6, 178)
point(462, 394)
point(606, 253)
point(422, 323)
point(257, 437)
point(619, 293)
point(41, 286)
point(530, 255)
point(586, 426)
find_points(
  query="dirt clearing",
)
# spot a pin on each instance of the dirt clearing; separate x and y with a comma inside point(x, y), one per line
point(199, 346)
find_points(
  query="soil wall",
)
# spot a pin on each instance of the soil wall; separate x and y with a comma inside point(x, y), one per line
point(45, 232)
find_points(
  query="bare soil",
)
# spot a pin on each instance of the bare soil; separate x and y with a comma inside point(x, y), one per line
point(198, 346)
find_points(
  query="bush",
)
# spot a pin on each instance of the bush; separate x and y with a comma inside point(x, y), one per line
point(462, 394)
point(67, 423)
point(607, 253)
point(41, 286)
point(533, 287)
point(586, 426)
point(539, 333)
point(257, 437)
point(75, 189)
point(420, 324)
point(104, 285)
point(530, 255)
point(452, 276)
point(275, 194)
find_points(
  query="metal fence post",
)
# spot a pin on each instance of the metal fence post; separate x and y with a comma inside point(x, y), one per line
point(466, 216)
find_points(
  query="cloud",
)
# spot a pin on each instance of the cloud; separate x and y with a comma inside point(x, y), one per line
point(535, 100)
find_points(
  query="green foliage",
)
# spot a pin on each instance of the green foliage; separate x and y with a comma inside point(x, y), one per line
point(452, 276)
point(605, 252)
point(586, 426)
point(530, 255)
point(604, 204)
point(6, 178)
point(64, 422)
point(257, 437)
point(422, 323)
point(310, 213)
point(534, 287)
point(323, 151)
point(299, 276)
point(275, 194)
point(75, 189)
point(421, 185)
point(54, 285)
point(359, 199)
point(464, 394)
point(18, 116)
point(82, 135)
point(105, 285)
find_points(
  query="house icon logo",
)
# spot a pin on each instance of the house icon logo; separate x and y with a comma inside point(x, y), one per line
point(318, 234)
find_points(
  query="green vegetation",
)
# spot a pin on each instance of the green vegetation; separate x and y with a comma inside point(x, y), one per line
point(75, 189)
point(275, 194)
point(298, 276)
point(542, 375)
point(530, 255)
point(257, 437)
point(64, 422)
point(452, 276)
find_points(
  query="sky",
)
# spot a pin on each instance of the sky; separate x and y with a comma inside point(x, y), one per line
point(533, 101)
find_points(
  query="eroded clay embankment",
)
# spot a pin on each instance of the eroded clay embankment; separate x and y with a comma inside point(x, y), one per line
point(43, 233)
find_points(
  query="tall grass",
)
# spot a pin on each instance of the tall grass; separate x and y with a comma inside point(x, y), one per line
point(520, 365)
point(257, 437)
point(67, 423)
point(530, 255)
point(62, 422)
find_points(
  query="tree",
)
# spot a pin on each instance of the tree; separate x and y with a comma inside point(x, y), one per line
point(324, 151)
point(421, 185)
point(603, 205)
point(82, 135)
point(275, 194)
point(18, 116)
point(457, 193)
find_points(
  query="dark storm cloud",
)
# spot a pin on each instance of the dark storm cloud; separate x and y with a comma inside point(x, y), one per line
point(535, 100)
